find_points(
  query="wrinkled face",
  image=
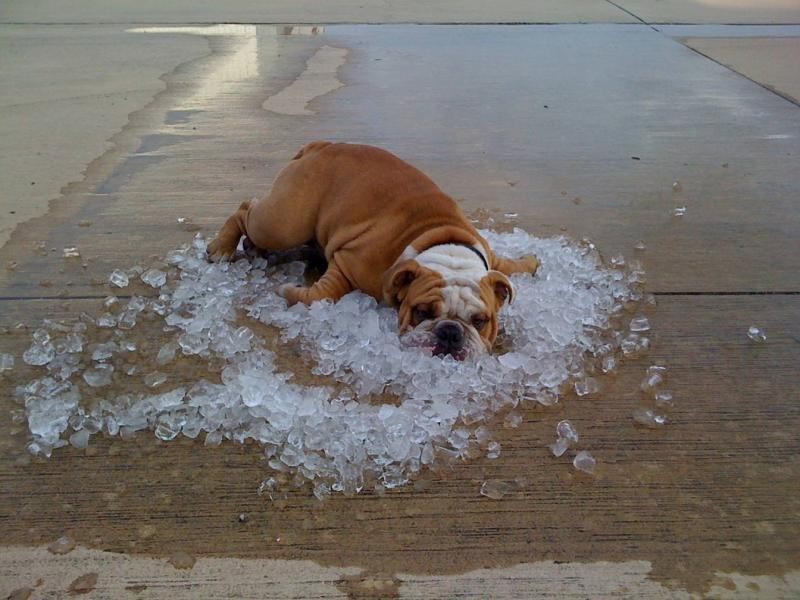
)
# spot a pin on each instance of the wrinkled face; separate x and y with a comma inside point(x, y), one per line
point(446, 312)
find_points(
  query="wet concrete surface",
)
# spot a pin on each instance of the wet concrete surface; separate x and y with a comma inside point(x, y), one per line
point(580, 130)
point(307, 11)
point(65, 93)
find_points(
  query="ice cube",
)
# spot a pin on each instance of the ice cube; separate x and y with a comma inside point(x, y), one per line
point(493, 450)
point(651, 382)
point(496, 489)
point(566, 430)
point(756, 334)
point(676, 186)
point(512, 420)
point(559, 447)
point(71, 252)
point(154, 379)
point(6, 362)
point(166, 429)
point(167, 353)
point(213, 438)
point(41, 336)
point(39, 354)
point(106, 320)
point(679, 211)
point(640, 245)
point(80, 439)
point(585, 462)
point(664, 399)
point(154, 278)
point(608, 363)
point(639, 324)
point(119, 278)
point(73, 343)
point(649, 418)
point(104, 351)
point(483, 435)
point(587, 386)
point(268, 486)
point(98, 376)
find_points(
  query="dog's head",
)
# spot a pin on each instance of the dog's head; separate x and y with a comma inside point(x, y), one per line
point(447, 300)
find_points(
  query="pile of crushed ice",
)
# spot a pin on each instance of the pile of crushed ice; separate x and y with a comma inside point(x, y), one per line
point(564, 325)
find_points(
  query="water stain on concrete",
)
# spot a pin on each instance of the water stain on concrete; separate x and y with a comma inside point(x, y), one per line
point(318, 78)
point(141, 159)
point(215, 577)
point(177, 117)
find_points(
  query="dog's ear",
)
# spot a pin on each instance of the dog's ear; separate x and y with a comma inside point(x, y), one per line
point(501, 286)
point(397, 279)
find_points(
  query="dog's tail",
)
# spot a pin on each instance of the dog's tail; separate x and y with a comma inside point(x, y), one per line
point(311, 147)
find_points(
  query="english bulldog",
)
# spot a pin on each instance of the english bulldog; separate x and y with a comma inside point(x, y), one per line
point(386, 229)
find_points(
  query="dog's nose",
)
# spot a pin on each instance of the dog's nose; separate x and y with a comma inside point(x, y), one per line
point(449, 334)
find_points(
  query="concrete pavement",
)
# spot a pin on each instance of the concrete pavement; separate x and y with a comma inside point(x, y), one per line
point(580, 129)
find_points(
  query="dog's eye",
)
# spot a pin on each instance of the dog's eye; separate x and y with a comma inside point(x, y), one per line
point(479, 322)
point(421, 313)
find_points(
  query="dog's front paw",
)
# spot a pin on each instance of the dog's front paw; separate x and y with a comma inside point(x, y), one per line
point(219, 252)
point(292, 292)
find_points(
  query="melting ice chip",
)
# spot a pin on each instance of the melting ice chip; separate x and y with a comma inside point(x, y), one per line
point(80, 439)
point(155, 379)
point(649, 418)
point(584, 462)
point(587, 386)
point(154, 278)
point(119, 278)
point(39, 354)
point(566, 436)
point(104, 351)
point(167, 353)
point(639, 324)
point(566, 430)
point(71, 252)
point(756, 334)
point(99, 375)
point(664, 399)
point(495, 489)
point(6, 362)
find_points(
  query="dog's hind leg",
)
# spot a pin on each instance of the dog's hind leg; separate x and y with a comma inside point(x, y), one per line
point(508, 266)
point(224, 245)
point(331, 286)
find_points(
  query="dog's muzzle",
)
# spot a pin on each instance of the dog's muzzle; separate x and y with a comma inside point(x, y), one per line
point(449, 338)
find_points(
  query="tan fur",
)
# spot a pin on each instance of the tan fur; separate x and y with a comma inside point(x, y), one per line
point(364, 207)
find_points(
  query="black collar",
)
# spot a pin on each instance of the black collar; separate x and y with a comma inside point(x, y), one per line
point(471, 247)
